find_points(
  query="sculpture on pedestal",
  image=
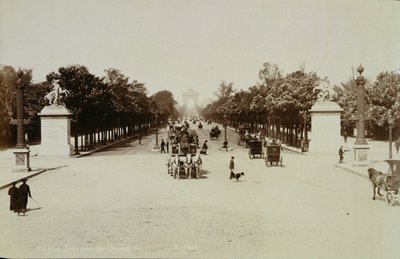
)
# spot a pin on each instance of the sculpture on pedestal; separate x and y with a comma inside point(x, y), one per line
point(56, 95)
point(56, 123)
point(324, 92)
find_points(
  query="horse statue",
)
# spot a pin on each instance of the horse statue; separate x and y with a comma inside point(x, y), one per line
point(56, 95)
point(324, 92)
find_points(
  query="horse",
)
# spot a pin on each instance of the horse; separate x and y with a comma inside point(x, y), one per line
point(378, 180)
point(197, 162)
point(170, 165)
point(181, 162)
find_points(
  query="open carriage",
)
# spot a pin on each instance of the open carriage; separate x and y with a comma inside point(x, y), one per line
point(255, 149)
point(273, 155)
point(215, 133)
point(389, 182)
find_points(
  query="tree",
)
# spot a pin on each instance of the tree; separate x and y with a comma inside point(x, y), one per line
point(383, 101)
point(7, 105)
point(164, 100)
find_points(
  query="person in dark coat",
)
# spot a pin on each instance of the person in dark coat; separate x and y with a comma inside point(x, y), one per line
point(25, 192)
point(232, 168)
point(204, 148)
point(341, 153)
point(15, 197)
point(162, 146)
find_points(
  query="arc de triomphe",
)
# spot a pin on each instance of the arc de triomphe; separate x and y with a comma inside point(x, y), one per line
point(188, 95)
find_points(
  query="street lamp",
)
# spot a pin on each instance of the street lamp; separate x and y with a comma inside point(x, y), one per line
point(360, 146)
point(225, 125)
point(21, 153)
point(390, 121)
point(360, 81)
point(156, 146)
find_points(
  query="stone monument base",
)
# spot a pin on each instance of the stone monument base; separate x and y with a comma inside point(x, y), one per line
point(360, 155)
point(55, 128)
point(21, 160)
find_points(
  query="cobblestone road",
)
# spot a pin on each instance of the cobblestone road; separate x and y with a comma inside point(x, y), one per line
point(111, 205)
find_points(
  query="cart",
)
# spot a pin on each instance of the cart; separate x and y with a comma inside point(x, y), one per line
point(255, 149)
point(215, 133)
point(273, 155)
point(393, 182)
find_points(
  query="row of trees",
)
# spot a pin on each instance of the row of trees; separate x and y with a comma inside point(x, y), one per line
point(279, 105)
point(108, 106)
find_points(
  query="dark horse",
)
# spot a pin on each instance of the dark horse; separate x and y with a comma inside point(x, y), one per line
point(378, 180)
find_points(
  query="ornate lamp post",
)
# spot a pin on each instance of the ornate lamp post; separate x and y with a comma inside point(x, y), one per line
point(21, 153)
point(360, 81)
point(361, 145)
point(156, 146)
point(225, 125)
point(390, 121)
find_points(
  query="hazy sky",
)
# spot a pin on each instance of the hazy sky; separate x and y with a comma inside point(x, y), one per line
point(178, 45)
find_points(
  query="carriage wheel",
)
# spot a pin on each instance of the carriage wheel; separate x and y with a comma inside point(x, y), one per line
point(390, 198)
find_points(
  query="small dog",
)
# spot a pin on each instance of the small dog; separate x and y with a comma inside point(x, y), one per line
point(237, 176)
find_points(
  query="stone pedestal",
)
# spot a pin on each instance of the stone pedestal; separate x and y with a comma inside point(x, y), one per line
point(325, 128)
point(56, 131)
point(21, 160)
point(360, 155)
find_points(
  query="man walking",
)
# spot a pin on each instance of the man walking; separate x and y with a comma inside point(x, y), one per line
point(25, 192)
point(168, 146)
point(232, 168)
point(15, 195)
point(162, 146)
point(341, 153)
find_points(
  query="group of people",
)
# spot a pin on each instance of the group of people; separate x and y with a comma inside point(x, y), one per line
point(19, 197)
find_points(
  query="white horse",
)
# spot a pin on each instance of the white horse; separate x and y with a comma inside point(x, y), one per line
point(195, 164)
point(180, 162)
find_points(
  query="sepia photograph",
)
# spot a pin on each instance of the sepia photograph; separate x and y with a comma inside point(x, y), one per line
point(200, 129)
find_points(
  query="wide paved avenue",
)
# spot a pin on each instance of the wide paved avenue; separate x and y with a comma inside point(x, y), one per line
point(122, 203)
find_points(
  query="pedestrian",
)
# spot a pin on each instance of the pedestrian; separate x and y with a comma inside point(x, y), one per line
point(204, 148)
point(345, 136)
point(341, 153)
point(225, 145)
point(232, 168)
point(162, 146)
point(302, 145)
point(168, 146)
point(15, 196)
point(140, 139)
point(25, 192)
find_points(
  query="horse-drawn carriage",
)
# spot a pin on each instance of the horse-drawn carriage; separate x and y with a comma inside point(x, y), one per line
point(184, 158)
point(244, 137)
point(255, 148)
point(273, 155)
point(184, 165)
point(389, 182)
point(215, 133)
